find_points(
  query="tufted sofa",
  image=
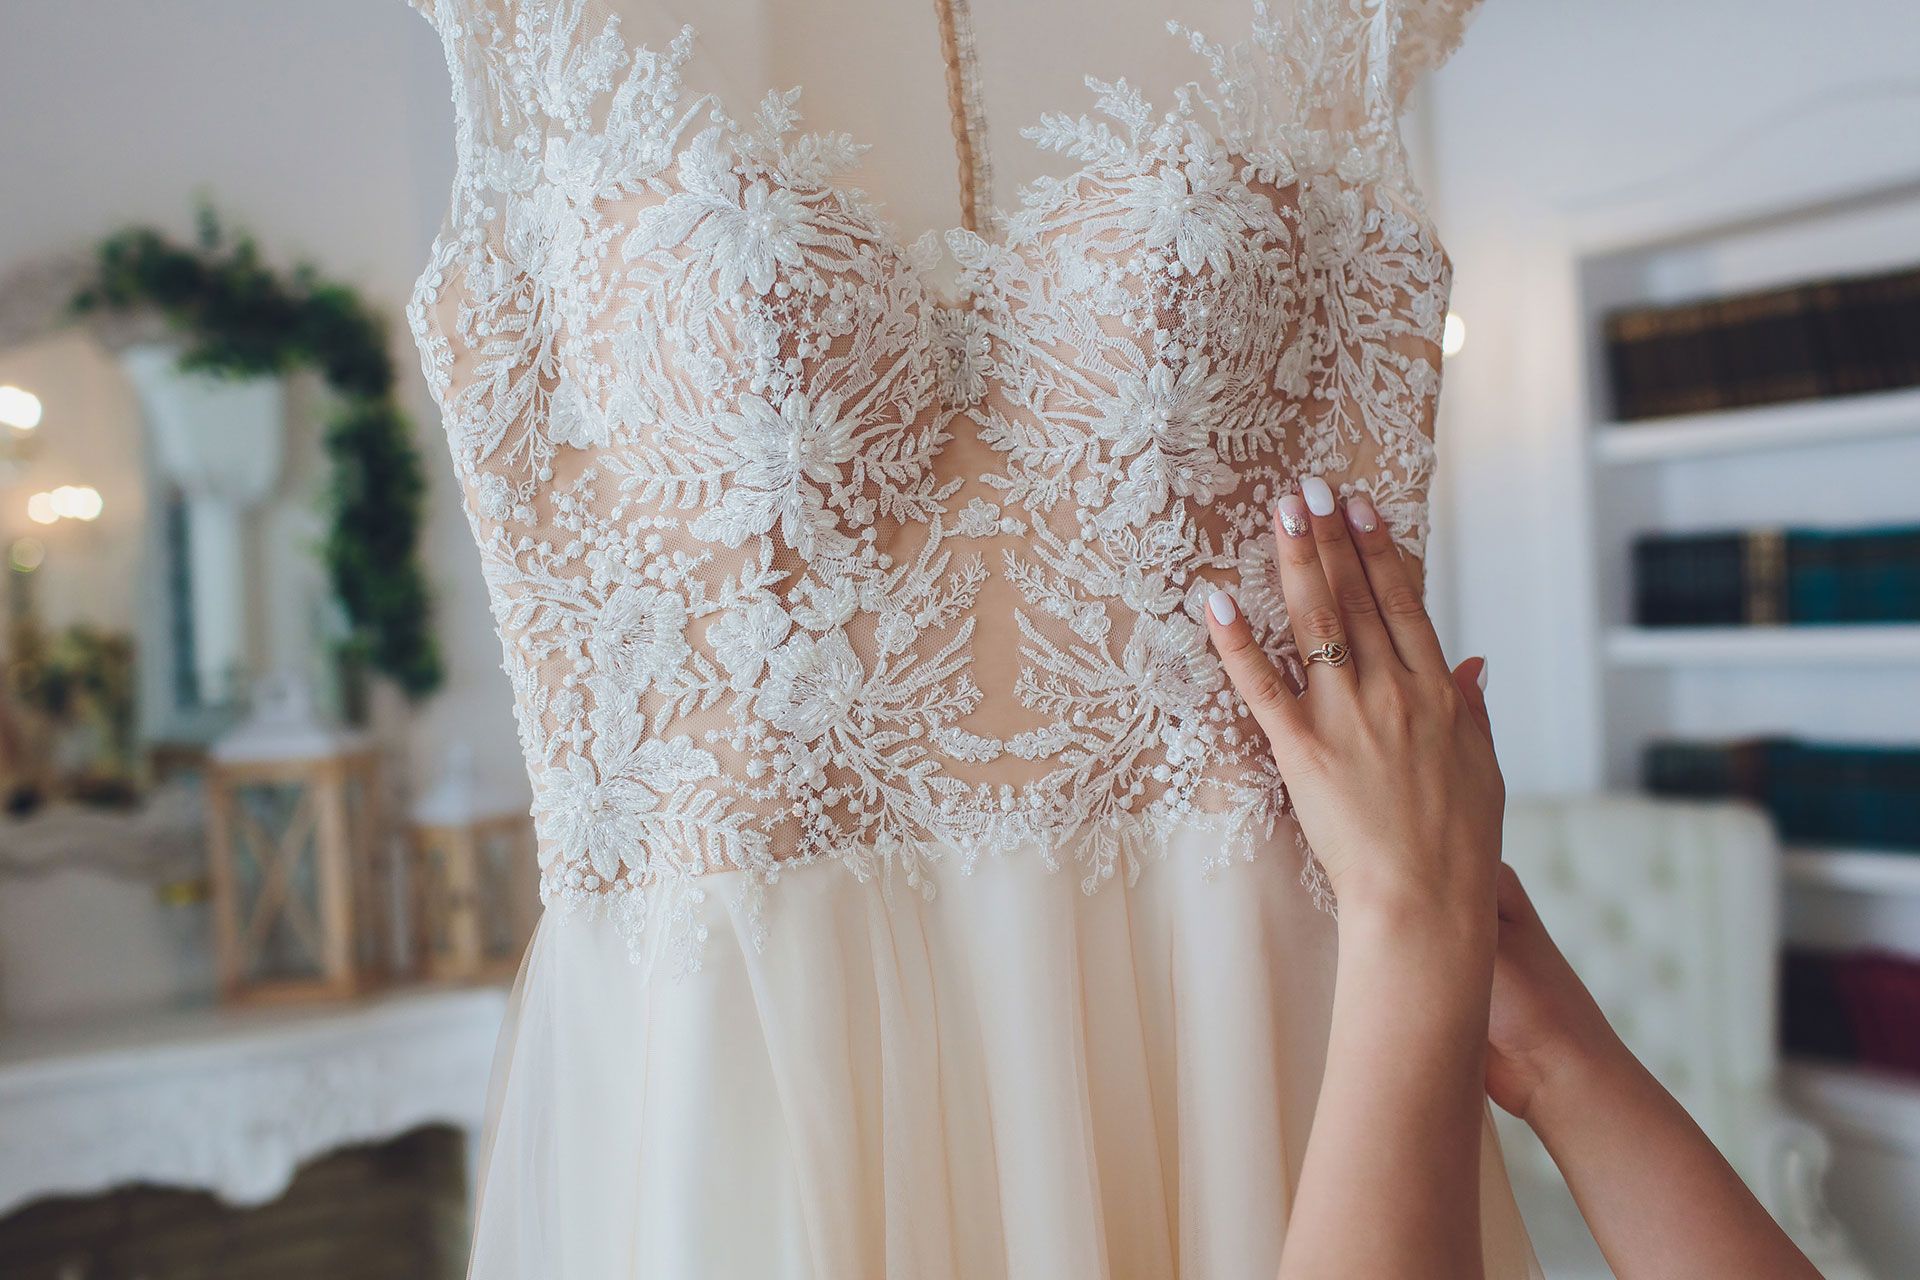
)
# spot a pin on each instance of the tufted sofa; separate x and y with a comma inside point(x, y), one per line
point(1670, 913)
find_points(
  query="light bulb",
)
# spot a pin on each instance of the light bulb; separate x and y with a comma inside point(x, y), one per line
point(1453, 335)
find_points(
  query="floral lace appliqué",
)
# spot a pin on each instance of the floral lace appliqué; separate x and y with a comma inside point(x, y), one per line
point(794, 559)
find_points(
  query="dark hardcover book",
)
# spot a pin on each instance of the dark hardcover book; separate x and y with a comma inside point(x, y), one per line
point(1691, 769)
point(1857, 576)
point(1824, 338)
point(1813, 1019)
point(1652, 596)
point(1834, 344)
point(1879, 575)
point(1712, 591)
point(1626, 335)
point(1770, 576)
point(1663, 360)
point(1712, 579)
point(1710, 770)
point(1878, 303)
point(1813, 578)
point(1861, 326)
point(1906, 330)
point(1880, 993)
point(1765, 349)
point(1763, 577)
point(1892, 305)
point(1817, 794)
point(1722, 587)
point(1692, 383)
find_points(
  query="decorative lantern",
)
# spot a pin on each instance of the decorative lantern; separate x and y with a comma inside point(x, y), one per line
point(474, 875)
point(301, 889)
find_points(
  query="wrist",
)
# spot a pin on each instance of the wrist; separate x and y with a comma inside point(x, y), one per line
point(1577, 1076)
point(1375, 913)
point(1437, 959)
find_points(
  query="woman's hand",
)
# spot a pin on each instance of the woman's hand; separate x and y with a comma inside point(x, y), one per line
point(1546, 1030)
point(1659, 1199)
point(1389, 762)
point(1390, 767)
point(1387, 756)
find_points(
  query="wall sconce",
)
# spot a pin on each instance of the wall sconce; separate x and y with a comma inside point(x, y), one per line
point(1453, 334)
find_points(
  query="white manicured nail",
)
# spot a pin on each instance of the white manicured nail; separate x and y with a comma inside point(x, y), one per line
point(1221, 606)
point(1319, 497)
point(1481, 679)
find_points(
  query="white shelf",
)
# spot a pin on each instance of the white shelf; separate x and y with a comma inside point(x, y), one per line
point(1876, 1105)
point(1884, 643)
point(1873, 871)
point(233, 1101)
point(1801, 425)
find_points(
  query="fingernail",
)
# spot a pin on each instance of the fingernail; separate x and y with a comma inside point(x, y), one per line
point(1293, 515)
point(1319, 497)
point(1221, 606)
point(1481, 678)
point(1361, 515)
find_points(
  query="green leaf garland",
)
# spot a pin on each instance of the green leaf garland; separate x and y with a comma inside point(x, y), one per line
point(242, 319)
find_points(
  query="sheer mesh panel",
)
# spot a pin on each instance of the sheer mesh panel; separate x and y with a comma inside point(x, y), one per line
point(809, 541)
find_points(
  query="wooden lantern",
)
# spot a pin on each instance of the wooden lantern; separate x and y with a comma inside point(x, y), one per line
point(301, 891)
point(474, 877)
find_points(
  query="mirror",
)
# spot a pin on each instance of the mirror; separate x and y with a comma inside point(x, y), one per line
point(159, 540)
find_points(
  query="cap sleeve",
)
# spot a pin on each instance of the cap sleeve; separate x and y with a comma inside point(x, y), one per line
point(1430, 30)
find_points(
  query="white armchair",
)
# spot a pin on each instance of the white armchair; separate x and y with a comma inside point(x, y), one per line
point(1670, 913)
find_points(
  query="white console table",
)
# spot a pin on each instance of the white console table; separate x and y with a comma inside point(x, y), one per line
point(233, 1101)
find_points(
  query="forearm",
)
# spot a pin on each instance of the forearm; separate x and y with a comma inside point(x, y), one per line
point(1657, 1195)
point(1390, 1184)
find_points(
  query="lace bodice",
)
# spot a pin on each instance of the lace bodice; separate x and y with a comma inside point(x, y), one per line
point(810, 539)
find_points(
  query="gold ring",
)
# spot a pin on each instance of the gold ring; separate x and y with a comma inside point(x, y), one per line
point(1333, 653)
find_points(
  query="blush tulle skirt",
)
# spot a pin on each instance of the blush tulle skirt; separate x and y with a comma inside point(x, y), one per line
point(1016, 1079)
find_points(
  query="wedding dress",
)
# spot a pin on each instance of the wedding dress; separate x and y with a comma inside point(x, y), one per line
point(854, 401)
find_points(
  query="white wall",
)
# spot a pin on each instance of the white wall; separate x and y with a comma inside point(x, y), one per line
point(1561, 127)
point(324, 127)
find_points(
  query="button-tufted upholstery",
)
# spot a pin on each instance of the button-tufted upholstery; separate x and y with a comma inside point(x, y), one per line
point(1670, 913)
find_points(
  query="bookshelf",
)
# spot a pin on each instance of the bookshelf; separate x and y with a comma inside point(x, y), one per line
point(1803, 425)
point(1893, 644)
point(1850, 462)
point(1875, 871)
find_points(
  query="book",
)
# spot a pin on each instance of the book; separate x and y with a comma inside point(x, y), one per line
point(1820, 338)
point(1854, 796)
point(1861, 576)
point(1774, 576)
point(1857, 1007)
